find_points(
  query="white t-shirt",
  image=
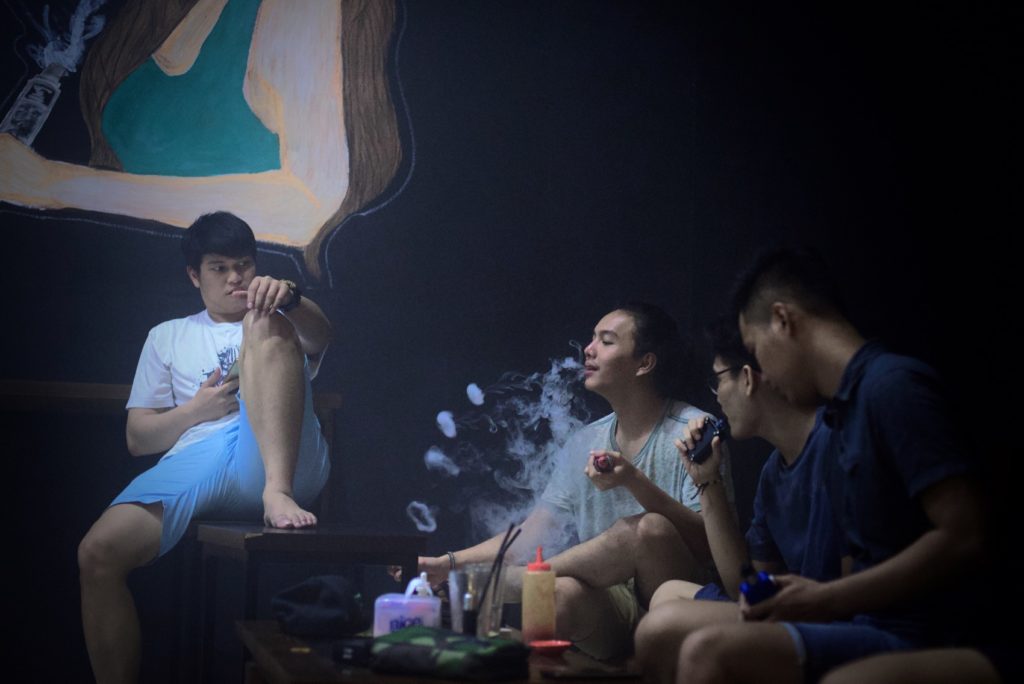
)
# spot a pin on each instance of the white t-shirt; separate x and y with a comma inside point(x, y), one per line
point(177, 358)
point(593, 510)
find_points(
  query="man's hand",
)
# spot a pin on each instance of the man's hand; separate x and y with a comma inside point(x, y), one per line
point(212, 402)
point(266, 294)
point(436, 568)
point(605, 477)
point(709, 469)
point(798, 599)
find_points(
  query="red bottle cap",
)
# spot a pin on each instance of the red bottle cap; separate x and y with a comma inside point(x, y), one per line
point(538, 565)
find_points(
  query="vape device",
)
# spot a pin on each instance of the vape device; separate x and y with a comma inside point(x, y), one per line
point(712, 427)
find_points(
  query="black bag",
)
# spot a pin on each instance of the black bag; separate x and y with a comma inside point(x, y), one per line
point(321, 606)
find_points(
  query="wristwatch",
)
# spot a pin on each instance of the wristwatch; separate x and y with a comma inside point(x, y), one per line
point(296, 296)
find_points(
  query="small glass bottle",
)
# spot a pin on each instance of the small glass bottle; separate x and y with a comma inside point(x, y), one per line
point(538, 601)
point(35, 102)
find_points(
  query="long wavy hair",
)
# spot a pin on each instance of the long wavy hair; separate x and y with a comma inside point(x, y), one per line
point(372, 129)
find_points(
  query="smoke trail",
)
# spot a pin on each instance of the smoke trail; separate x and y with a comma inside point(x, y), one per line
point(446, 424)
point(437, 461)
point(475, 394)
point(506, 451)
point(67, 47)
point(422, 516)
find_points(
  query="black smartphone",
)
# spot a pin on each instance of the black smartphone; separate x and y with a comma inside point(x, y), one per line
point(712, 427)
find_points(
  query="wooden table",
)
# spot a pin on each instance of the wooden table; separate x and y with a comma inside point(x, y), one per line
point(279, 658)
point(255, 546)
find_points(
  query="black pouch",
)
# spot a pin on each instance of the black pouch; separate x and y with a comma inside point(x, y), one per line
point(442, 653)
point(321, 606)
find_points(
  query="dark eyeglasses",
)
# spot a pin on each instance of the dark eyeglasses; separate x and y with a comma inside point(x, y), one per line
point(716, 377)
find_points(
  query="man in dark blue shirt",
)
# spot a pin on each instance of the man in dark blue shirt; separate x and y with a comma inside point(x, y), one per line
point(903, 499)
point(793, 529)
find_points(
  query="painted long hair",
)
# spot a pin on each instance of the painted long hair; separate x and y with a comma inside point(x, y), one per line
point(372, 129)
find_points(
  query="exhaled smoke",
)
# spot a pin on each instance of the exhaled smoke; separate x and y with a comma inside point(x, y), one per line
point(422, 515)
point(512, 436)
point(66, 46)
point(438, 461)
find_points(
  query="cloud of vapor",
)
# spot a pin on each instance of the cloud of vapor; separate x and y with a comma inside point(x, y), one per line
point(66, 46)
point(504, 452)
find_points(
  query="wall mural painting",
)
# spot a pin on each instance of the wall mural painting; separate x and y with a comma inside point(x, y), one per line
point(275, 110)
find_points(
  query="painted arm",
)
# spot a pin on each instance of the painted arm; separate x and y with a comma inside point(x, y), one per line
point(293, 85)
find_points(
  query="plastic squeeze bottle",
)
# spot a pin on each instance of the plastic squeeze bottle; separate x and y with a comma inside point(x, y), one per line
point(538, 601)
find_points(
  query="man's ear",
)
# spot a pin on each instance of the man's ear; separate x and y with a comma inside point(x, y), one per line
point(751, 379)
point(647, 363)
point(193, 275)
point(783, 319)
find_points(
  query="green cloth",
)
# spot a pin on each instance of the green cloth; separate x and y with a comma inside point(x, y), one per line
point(442, 653)
point(198, 123)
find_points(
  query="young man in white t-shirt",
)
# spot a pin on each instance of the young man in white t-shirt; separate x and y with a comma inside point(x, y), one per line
point(225, 393)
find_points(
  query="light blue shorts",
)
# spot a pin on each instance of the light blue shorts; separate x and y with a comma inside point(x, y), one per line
point(222, 476)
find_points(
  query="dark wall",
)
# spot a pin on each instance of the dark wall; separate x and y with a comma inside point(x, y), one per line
point(560, 157)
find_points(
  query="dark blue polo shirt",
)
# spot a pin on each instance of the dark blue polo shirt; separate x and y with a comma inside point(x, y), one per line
point(793, 520)
point(891, 440)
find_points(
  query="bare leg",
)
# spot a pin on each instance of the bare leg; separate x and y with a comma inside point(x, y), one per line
point(662, 631)
point(125, 537)
point(274, 394)
point(589, 618)
point(935, 666)
point(743, 652)
point(645, 547)
point(674, 590)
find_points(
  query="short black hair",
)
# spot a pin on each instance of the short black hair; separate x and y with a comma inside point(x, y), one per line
point(796, 274)
point(220, 232)
point(658, 333)
point(724, 341)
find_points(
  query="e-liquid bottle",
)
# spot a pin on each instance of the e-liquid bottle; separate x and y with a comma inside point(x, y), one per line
point(35, 102)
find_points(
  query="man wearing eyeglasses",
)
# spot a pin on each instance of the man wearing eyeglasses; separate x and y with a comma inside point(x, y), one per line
point(792, 530)
point(904, 492)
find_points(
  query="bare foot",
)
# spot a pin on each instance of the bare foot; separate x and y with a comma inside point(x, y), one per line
point(280, 510)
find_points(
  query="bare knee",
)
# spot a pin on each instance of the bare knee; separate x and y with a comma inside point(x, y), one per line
point(272, 333)
point(657, 640)
point(653, 528)
point(98, 558)
point(702, 653)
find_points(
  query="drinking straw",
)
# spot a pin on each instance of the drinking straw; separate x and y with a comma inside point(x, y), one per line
point(498, 560)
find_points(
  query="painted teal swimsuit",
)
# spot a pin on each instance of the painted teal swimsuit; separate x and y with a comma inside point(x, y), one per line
point(198, 123)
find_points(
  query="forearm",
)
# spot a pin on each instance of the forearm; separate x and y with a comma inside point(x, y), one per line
point(311, 325)
point(728, 548)
point(275, 203)
point(151, 432)
point(689, 524)
point(932, 561)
